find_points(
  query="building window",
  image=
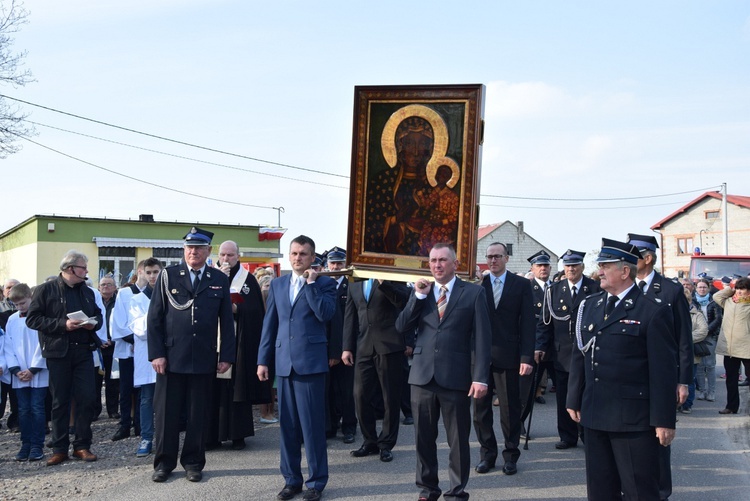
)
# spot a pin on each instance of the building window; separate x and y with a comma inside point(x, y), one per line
point(169, 256)
point(509, 247)
point(712, 214)
point(119, 262)
point(684, 246)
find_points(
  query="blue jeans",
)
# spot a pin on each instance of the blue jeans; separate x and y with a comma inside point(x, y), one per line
point(707, 370)
point(147, 411)
point(691, 391)
point(31, 415)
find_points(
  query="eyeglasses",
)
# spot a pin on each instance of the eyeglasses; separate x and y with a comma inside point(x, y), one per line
point(106, 285)
point(491, 257)
point(82, 267)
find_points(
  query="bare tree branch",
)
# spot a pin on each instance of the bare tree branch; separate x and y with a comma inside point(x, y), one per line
point(12, 118)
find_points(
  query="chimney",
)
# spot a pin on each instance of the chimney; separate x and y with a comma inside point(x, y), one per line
point(520, 226)
point(147, 218)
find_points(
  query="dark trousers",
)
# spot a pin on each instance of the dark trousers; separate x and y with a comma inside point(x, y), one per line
point(111, 386)
point(732, 366)
point(387, 372)
point(9, 395)
point(128, 394)
point(506, 385)
point(566, 427)
point(622, 462)
point(406, 388)
point(72, 376)
point(428, 403)
point(340, 397)
point(173, 393)
point(302, 418)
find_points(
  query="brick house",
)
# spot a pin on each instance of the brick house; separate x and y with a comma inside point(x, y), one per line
point(700, 225)
point(520, 245)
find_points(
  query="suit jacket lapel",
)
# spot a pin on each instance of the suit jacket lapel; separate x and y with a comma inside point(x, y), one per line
point(205, 279)
point(487, 284)
point(186, 277)
point(375, 285)
point(458, 287)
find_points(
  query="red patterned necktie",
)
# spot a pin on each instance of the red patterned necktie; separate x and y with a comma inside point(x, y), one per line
point(442, 301)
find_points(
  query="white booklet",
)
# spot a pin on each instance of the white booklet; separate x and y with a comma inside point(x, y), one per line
point(82, 317)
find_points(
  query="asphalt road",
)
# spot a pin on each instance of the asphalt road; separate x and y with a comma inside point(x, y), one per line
point(710, 460)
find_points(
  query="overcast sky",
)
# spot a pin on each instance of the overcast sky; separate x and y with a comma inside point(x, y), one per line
point(598, 100)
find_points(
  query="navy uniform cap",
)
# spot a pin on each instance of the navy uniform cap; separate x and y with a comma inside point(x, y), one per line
point(643, 242)
point(541, 257)
point(614, 252)
point(197, 236)
point(336, 255)
point(318, 261)
point(571, 257)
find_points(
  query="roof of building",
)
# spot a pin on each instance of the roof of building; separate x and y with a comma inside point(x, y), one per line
point(485, 230)
point(738, 200)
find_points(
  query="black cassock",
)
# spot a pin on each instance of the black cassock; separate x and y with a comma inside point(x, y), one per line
point(231, 414)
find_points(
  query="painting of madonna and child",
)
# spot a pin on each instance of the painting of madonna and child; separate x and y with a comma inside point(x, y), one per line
point(415, 175)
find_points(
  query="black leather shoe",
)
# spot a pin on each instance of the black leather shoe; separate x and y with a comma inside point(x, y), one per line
point(238, 444)
point(509, 468)
point(193, 475)
point(484, 466)
point(564, 445)
point(120, 434)
point(210, 446)
point(540, 400)
point(727, 411)
point(365, 450)
point(312, 495)
point(386, 456)
point(114, 415)
point(408, 420)
point(349, 438)
point(160, 476)
point(289, 491)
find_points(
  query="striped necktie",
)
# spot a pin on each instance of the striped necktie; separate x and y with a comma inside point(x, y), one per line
point(442, 301)
point(497, 291)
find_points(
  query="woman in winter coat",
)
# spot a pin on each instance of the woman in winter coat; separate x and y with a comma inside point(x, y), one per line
point(734, 339)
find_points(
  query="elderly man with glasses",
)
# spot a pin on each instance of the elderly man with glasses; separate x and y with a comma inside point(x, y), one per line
point(66, 346)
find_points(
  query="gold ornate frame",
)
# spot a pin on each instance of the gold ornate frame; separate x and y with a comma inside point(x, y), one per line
point(382, 196)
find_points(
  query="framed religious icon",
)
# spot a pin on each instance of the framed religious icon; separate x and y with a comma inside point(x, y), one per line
point(416, 156)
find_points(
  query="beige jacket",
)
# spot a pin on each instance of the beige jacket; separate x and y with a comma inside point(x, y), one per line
point(734, 339)
point(700, 328)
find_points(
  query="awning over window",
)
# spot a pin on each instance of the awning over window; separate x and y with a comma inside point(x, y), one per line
point(152, 243)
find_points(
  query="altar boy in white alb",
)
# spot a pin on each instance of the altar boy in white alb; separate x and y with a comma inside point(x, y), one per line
point(23, 359)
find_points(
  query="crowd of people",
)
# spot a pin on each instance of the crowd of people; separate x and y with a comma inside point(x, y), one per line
point(625, 348)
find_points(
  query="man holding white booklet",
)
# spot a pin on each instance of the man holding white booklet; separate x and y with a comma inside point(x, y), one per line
point(67, 344)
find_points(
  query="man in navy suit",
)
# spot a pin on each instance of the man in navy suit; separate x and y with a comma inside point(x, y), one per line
point(663, 290)
point(452, 322)
point(554, 332)
point(189, 305)
point(509, 301)
point(294, 330)
point(623, 374)
point(370, 332)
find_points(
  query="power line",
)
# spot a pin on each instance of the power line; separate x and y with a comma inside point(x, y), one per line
point(581, 208)
point(598, 199)
point(145, 182)
point(176, 141)
point(184, 157)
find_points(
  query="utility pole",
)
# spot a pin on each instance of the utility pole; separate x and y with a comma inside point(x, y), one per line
point(726, 218)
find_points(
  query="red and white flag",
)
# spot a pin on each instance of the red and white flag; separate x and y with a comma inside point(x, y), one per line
point(269, 233)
